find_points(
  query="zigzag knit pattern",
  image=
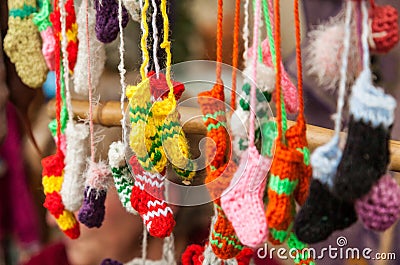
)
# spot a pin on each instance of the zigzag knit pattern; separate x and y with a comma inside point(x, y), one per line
point(52, 179)
point(22, 43)
point(147, 199)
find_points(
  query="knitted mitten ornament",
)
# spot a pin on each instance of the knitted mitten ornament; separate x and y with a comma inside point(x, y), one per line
point(52, 179)
point(133, 7)
point(22, 43)
point(97, 183)
point(148, 200)
point(384, 29)
point(366, 154)
point(97, 52)
point(122, 178)
point(42, 21)
point(71, 31)
point(107, 20)
point(380, 208)
point(76, 152)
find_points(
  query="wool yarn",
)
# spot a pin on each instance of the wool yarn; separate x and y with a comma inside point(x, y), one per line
point(366, 153)
point(265, 79)
point(97, 52)
point(380, 208)
point(133, 7)
point(107, 28)
point(22, 43)
point(122, 178)
point(147, 199)
point(76, 152)
point(52, 179)
point(384, 29)
point(301, 257)
point(97, 183)
point(42, 21)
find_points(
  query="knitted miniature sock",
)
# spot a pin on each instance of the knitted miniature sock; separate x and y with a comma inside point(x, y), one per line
point(121, 174)
point(133, 7)
point(76, 152)
point(301, 257)
point(174, 143)
point(281, 185)
point(296, 139)
point(97, 52)
point(380, 208)
point(366, 154)
point(322, 214)
point(148, 200)
point(242, 201)
point(42, 21)
point(71, 31)
point(52, 179)
point(98, 181)
point(107, 20)
point(22, 43)
point(384, 28)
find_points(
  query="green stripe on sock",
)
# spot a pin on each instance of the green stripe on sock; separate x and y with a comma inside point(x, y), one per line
point(282, 186)
point(23, 12)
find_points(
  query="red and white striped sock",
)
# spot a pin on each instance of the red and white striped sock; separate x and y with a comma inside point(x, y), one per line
point(148, 200)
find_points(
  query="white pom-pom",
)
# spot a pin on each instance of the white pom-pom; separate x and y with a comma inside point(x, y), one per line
point(97, 53)
point(98, 176)
point(116, 155)
point(265, 76)
point(133, 7)
point(240, 122)
point(324, 54)
point(73, 186)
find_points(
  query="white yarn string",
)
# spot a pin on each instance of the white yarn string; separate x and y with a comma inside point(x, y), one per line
point(364, 36)
point(64, 52)
point(343, 69)
point(122, 71)
point(246, 32)
point(155, 38)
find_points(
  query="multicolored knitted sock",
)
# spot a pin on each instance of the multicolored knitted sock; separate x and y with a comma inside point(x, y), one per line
point(107, 28)
point(71, 31)
point(98, 181)
point(52, 179)
point(75, 161)
point(42, 21)
point(366, 153)
point(22, 43)
point(122, 178)
point(97, 52)
point(380, 208)
point(148, 200)
point(384, 28)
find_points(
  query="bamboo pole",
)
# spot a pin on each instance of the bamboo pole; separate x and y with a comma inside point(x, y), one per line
point(109, 114)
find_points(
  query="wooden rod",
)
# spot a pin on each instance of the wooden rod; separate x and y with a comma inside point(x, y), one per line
point(109, 114)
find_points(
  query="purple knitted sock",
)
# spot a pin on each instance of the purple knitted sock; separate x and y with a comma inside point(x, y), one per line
point(107, 25)
point(110, 262)
point(92, 211)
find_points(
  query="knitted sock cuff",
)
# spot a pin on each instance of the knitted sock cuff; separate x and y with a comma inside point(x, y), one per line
point(371, 104)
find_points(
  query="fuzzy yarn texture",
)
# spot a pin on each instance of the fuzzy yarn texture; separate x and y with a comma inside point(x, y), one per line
point(148, 200)
point(22, 43)
point(42, 21)
point(71, 31)
point(97, 53)
point(76, 153)
point(324, 52)
point(366, 153)
point(384, 28)
point(289, 90)
point(122, 178)
point(107, 25)
point(380, 208)
point(265, 79)
point(242, 201)
point(133, 7)
point(52, 179)
point(97, 183)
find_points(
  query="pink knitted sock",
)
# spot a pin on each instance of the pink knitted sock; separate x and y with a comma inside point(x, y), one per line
point(148, 200)
point(243, 199)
